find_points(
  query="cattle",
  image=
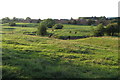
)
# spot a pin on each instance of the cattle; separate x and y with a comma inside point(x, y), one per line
point(69, 37)
point(75, 32)
point(50, 35)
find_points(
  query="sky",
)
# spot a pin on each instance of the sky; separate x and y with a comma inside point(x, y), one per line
point(58, 9)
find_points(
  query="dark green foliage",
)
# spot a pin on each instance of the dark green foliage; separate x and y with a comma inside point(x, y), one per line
point(58, 26)
point(5, 20)
point(99, 31)
point(42, 29)
point(28, 19)
point(12, 24)
point(91, 22)
point(112, 28)
point(49, 23)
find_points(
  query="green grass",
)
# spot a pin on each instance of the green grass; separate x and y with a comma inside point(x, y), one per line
point(23, 24)
point(73, 31)
point(27, 24)
point(32, 56)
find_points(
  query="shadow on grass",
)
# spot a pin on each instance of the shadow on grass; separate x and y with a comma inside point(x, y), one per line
point(35, 33)
point(9, 28)
point(51, 35)
point(33, 64)
point(30, 33)
point(2, 33)
point(71, 37)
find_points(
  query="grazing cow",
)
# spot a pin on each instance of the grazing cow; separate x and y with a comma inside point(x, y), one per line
point(75, 32)
point(69, 37)
point(50, 35)
point(52, 29)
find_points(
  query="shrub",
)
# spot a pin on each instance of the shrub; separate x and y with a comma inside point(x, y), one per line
point(112, 28)
point(99, 31)
point(6, 20)
point(12, 24)
point(58, 26)
point(42, 29)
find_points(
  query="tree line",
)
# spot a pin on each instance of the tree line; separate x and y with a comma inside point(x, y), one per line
point(89, 20)
point(111, 29)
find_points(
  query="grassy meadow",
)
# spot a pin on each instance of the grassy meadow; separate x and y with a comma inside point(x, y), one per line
point(32, 56)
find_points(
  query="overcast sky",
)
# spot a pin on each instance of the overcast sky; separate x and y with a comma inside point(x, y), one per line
point(58, 9)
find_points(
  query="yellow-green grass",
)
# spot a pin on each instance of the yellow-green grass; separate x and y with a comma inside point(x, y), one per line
point(80, 31)
point(33, 56)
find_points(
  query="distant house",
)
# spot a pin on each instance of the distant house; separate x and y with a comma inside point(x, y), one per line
point(104, 22)
point(85, 22)
point(82, 21)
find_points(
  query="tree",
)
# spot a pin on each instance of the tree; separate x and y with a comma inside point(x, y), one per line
point(112, 28)
point(42, 29)
point(71, 18)
point(58, 26)
point(49, 23)
point(14, 18)
point(28, 19)
point(102, 18)
point(6, 20)
point(12, 24)
point(99, 30)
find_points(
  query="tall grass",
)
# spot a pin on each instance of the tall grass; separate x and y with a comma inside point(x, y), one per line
point(32, 56)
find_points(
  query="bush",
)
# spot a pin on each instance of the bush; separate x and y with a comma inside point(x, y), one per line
point(112, 28)
point(42, 29)
point(58, 26)
point(99, 31)
point(12, 24)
